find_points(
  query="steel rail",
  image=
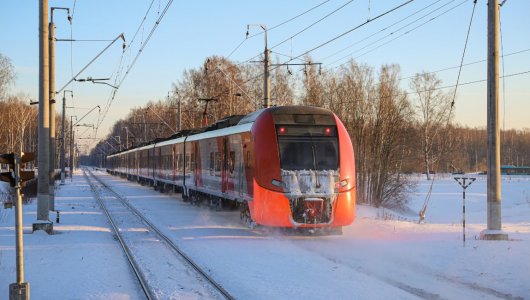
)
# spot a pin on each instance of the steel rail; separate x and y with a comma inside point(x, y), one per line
point(143, 282)
point(168, 241)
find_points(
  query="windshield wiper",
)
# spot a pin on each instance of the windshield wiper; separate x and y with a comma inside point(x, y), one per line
point(315, 165)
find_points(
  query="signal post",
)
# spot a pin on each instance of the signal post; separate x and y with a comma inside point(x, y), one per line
point(20, 289)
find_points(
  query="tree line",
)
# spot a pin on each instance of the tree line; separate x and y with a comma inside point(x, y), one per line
point(19, 119)
point(396, 127)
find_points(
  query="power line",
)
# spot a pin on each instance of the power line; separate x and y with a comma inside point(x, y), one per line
point(465, 83)
point(385, 28)
point(399, 36)
point(312, 24)
point(144, 44)
point(335, 38)
point(141, 24)
point(351, 30)
point(467, 64)
point(274, 27)
point(462, 60)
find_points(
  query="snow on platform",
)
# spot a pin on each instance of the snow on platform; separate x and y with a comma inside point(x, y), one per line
point(374, 259)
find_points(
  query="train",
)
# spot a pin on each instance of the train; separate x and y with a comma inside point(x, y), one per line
point(284, 166)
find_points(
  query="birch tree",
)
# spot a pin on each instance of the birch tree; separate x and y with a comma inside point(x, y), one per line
point(432, 107)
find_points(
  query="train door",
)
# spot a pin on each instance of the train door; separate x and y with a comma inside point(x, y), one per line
point(224, 171)
point(173, 166)
point(198, 164)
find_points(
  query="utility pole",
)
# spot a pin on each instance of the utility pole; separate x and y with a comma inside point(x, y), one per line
point(51, 46)
point(145, 129)
point(179, 112)
point(267, 79)
point(43, 185)
point(127, 137)
point(52, 106)
point(63, 137)
point(71, 147)
point(205, 113)
point(494, 229)
point(20, 289)
point(266, 68)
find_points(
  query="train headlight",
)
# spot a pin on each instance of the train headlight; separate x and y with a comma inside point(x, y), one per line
point(277, 183)
point(342, 183)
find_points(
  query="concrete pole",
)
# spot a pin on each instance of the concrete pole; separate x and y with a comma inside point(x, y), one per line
point(52, 114)
point(71, 146)
point(267, 77)
point(145, 130)
point(179, 112)
point(63, 139)
point(43, 185)
point(494, 230)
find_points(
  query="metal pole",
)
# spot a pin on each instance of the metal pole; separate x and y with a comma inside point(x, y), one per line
point(71, 147)
point(464, 213)
point(179, 116)
point(63, 140)
point(20, 289)
point(43, 183)
point(52, 114)
point(493, 231)
point(145, 130)
point(266, 72)
point(19, 224)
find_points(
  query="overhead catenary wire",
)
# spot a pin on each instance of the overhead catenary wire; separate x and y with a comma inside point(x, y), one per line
point(119, 81)
point(303, 30)
point(352, 29)
point(89, 63)
point(121, 62)
point(397, 37)
point(422, 213)
point(276, 26)
point(467, 64)
point(381, 30)
point(336, 37)
point(312, 24)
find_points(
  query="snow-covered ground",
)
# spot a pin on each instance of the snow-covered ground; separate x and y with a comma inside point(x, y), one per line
point(383, 255)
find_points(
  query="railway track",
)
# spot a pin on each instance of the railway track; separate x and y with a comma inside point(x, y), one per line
point(116, 203)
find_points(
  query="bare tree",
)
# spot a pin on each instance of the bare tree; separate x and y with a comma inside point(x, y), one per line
point(7, 75)
point(432, 108)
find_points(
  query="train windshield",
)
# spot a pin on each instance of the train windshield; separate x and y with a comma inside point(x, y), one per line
point(308, 147)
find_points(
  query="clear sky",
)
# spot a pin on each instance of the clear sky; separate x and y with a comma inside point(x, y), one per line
point(193, 30)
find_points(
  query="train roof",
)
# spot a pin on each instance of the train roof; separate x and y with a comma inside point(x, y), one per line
point(236, 124)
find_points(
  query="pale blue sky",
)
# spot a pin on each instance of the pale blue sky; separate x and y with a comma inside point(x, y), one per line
point(193, 30)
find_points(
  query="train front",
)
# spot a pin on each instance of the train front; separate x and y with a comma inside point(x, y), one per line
point(304, 173)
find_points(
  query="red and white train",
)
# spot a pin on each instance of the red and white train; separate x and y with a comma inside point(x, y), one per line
point(290, 166)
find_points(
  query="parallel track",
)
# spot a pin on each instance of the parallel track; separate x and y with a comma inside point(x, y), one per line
point(145, 287)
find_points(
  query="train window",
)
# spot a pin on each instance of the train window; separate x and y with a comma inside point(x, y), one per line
point(308, 153)
point(180, 163)
point(217, 163)
point(232, 161)
point(212, 163)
